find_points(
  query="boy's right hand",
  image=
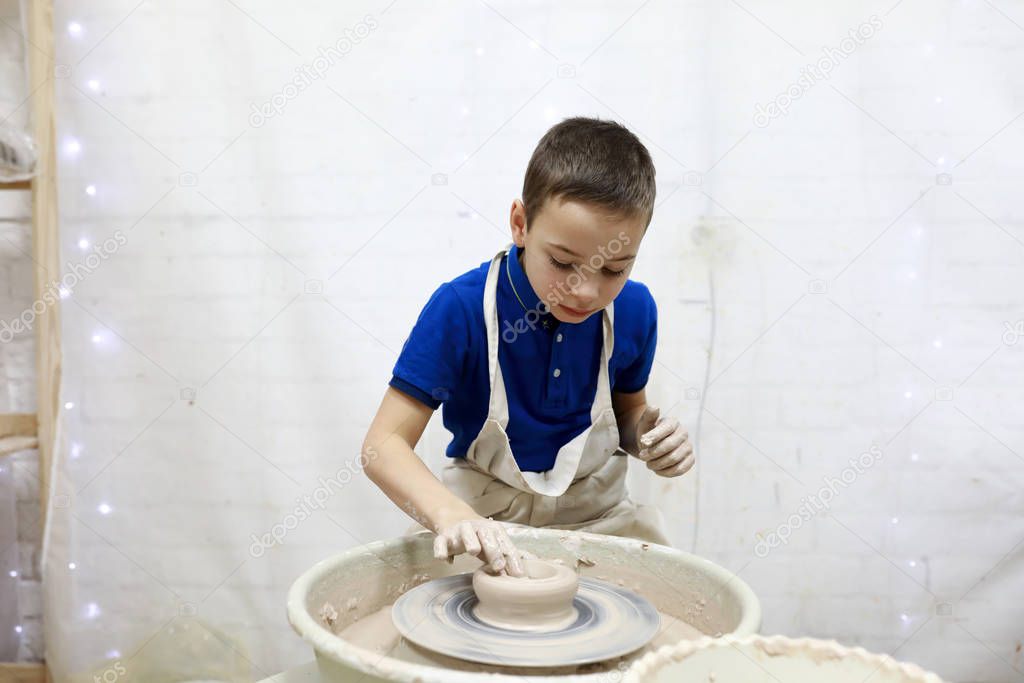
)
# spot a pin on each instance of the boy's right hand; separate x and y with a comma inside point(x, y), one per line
point(484, 538)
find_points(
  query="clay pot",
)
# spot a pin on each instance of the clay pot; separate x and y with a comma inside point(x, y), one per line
point(540, 601)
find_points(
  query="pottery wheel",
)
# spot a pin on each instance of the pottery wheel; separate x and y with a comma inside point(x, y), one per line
point(611, 622)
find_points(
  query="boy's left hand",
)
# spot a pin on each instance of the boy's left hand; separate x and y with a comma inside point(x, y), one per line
point(664, 445)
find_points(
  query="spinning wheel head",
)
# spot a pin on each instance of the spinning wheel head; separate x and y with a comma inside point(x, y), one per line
point(609, 621)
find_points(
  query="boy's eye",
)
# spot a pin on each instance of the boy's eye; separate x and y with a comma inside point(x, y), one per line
point(558, 264)
point(568, 266)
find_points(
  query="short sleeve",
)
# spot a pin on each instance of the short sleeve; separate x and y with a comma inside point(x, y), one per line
point(633, 377)
point(432, 358)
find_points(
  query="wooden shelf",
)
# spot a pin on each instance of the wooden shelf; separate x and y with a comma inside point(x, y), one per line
point(22, 673)
point(18, 432)
point(17, 185)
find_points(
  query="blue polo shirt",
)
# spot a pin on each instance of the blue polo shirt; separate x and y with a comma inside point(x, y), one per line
point(443, 361)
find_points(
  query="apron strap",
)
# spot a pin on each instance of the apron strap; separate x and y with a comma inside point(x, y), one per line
point(497, 408)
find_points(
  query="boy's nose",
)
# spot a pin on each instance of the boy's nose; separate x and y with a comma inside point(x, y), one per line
point(585, 296)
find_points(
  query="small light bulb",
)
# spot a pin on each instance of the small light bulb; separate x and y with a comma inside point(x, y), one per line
point(937, 343)
point(908, 394)
point(912, 275)
point(94, 85)
point(104, 509)
point(479, 51)
point(64, 292)
point(74, 28)
point(13, 574)
point(69, 405)
point(938, 99)
point(71, 565)
point(72, 147)
point(17, 629)
point(96, 339)
point(92, 610)
point(895, 520)
point(915, 457)
point(83, 244)
point(90, 190)
point(912, 563)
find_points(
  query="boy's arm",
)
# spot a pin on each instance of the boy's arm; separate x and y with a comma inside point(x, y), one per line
point(390, 462)
point(628, 408)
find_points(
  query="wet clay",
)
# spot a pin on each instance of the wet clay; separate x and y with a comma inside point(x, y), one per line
point(539, 602)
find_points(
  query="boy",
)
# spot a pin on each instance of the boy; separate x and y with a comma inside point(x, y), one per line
point(540, 358)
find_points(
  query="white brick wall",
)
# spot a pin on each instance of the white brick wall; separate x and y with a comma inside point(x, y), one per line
point(918, 276)
point(17, 373)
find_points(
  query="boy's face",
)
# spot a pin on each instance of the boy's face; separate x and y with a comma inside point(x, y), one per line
point(576, 256)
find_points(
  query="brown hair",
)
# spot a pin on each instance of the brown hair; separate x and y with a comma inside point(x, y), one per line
point(591, 160)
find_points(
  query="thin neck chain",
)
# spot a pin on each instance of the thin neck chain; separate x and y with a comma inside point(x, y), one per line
point(511, 282)
point(545, 322)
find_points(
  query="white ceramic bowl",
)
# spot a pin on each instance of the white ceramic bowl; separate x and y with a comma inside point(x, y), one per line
point(696, 590)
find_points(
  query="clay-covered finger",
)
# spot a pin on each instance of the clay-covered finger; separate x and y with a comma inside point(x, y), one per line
point(514, 564)
point(684, 466)
point(492, 554)
point(666, 445)
point(467, 534)
point(513, 560)
point(666, 461)
point(663, 428)
point(441, 550)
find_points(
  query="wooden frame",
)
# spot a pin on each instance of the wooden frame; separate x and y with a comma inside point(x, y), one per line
point(23, 673)
point(20, 431)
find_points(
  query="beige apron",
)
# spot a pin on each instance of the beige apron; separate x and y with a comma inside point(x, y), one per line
point(586, 488)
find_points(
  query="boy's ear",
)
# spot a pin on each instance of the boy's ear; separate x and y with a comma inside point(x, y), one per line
point(517, 221)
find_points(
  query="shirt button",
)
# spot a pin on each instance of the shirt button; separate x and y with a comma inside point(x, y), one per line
point(557, 372)
point(559, 337)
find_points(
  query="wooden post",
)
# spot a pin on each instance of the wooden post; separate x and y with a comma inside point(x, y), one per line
point(45, 233)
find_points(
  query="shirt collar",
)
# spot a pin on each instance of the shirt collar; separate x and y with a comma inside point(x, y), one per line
point(524, 289)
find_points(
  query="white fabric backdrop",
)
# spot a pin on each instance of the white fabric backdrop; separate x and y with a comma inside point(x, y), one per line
point(225, 355)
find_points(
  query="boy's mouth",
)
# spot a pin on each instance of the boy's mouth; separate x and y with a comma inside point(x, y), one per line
point(575, 311)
